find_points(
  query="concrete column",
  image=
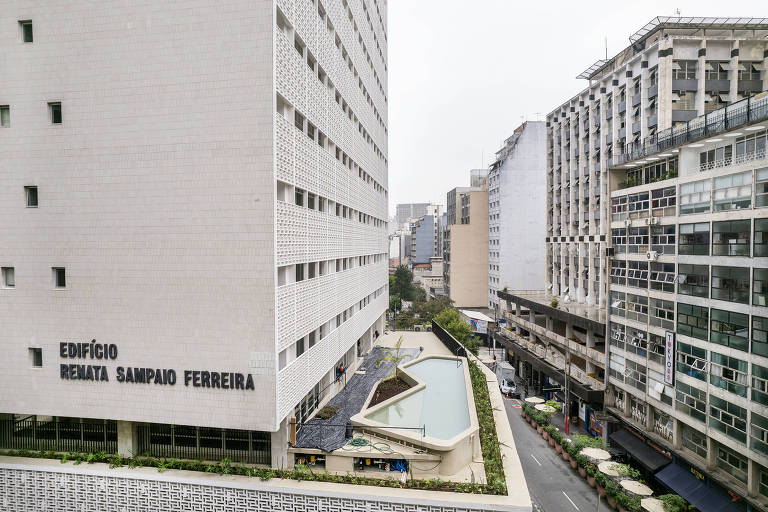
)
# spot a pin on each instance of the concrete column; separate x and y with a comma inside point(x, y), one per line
point(568, 330)
point(711, 454)
point(550, 323)
point(753, 479)
point(590, 339)
point(649, 418)
point(677, 434)
point(127, 439)
point(702, 73)
point(765, 67)
point(279, 445)
point(665, 86)
point(532, 319)
point(733, 74)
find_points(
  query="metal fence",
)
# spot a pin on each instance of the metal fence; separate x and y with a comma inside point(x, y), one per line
point(201, 443)
point(59, 434)
point(448, 340)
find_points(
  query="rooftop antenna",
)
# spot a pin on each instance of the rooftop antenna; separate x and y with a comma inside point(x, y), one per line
point(538, 115)
point(482, 158)
point(606, 47)
point(678, 13)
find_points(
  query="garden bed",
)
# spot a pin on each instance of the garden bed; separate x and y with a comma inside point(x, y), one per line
point(387, 389)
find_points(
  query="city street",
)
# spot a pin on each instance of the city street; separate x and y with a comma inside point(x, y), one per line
point(553, 485)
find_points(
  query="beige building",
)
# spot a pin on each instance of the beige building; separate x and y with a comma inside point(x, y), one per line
point(465, 250)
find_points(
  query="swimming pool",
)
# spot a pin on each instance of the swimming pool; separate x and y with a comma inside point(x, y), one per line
point(441, 406)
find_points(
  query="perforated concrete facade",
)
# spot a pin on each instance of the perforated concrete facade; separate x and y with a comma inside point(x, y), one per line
point(158, 193)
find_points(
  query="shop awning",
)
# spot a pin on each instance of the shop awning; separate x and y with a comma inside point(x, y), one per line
point(704, 497)
point(647, 456)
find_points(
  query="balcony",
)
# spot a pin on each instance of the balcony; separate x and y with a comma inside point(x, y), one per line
point(653, 91)
point(653, 120)
point(683, 116)
point(685, 85)
point(734, 160)
point(609, 114)
point(636, 100)
point(723, 86)
point(750, 86)
point(636, 127)
point(622, 107)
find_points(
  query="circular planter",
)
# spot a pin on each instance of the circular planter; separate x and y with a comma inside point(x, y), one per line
point(591, 480)
point(566, 456)
point(533, 424)
point(611, 502)
point(545, 435)
point(582, 472)
point(540, 429)
point(551, 442)
point(559, 448)
point(600, 490)
point(574, 464)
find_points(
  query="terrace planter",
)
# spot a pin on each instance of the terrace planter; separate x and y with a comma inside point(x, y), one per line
point(574, 464)
point(591, 481)
point(582, 472)
point(600, 490)
point(533, 424)
point(611, 502)
point(540, 429)
point(551, 442)
point(559, 448)
point(566, 456)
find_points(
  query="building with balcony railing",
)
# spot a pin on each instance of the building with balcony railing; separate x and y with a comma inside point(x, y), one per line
point(688, 325)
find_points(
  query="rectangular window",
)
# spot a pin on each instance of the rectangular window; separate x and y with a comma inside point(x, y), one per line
point(760, 336)
point(662, 277)
point(684, 70)
point(30, 193)
point(36, 357)
point(656, 348)
point(731, 238)
point(638, 205)
point(663, 202)
point(618, 335)
point(616, 368)
point(730, 329)
point(731, 284)
point(26, 31)
point(55, 111)
point(619, 208)
point(299, 347)
point(59, 277)
point(637, 342)
point(761, 187)
point(9, 277)
point(694, 239)
point(619, 239)
point(693, 280)
point(758, 433)
point(695, 197)
point(638, 240)
point(728, 418)
point(299, 197)
point(663, 239)
point(695, 441)
point(733, 192)
point(637, 308)
point(732, 462)
point(663, 313)
point(759, 384)
point(760, 287)
point(5, 116)
point(312, 267)
point(717, 157)
point(637, 274)
point(728, 373)
point(692, 320)
point(691, 401)
point(299, 272)
point(617, 303)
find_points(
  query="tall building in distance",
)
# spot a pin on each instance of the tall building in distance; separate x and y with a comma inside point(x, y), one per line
point(195, 250)
point(427, 235)
point(407, 211)
point(465, 246)
point(656, 236)
point(516, 197)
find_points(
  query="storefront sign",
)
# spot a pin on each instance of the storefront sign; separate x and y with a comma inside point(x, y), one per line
point(669, 358)
point(479, 326)
point(123, 374)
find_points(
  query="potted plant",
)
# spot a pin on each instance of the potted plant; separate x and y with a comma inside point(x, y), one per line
point(600, 482)
point(582, 462)
point(627, 503)
point(590, 470)
point(673, 503)
point(612, 490)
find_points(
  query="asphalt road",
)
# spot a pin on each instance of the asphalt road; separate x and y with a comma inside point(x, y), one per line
point(553, 485)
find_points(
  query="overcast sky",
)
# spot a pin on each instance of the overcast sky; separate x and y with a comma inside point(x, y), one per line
point(464, 73)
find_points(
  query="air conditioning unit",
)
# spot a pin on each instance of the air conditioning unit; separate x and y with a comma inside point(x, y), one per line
point(627, 222)
point(652, 255)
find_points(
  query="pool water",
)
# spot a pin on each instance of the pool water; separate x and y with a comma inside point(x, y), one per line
point(441, 407)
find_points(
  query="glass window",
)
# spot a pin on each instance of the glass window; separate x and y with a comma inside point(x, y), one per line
point(5, 116)
point(691, 361)
point(635, 375)
point(691, 401)
point(761, 187)
point(729, 373)
point(716, 70)
point(731, 284)
point(758, 433)
point(619, 208)
point(637, 342)
point(730, 329)
point(728, 418)
point(616, 368)
point(637, 308)
point(759, 287)
point(638, 205)
point(761, 237)
point(695, 441)
point(663, 313)
point(759, 384)
point(618, 272)
point(733, 192)
point(663, 201)
point(760, 335)
point(618, 335)
point(662, 277)
point(692, 320)
point(695, 197)
point(638, 240)
point(693, 280)
point(694, 239)
point(9, 277)
point(684, 70)
point(656, 348)
point(733, 463)
point(718, 157)
point(731, 238)
point(663, 239)
point(637, 274)
point(55, 111)
point(26, 31)
point(750, 146)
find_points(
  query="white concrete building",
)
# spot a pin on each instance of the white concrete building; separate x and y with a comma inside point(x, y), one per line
point(194, 229)
point(516, 198)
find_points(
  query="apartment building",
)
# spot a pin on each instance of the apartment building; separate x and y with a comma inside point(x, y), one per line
point(516, 198)
point(407, 211)
point(465, 246)
point(654, 226)
point(195, 227)
point(427, 235)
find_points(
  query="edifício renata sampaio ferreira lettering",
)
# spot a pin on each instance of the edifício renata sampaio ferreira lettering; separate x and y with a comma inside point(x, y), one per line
point(162, 376)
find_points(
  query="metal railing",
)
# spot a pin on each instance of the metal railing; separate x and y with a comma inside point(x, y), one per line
point(748, 110)
point(59, 434)
point(733, 160)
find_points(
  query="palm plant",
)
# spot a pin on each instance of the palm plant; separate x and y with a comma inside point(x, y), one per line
point(394, 356)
